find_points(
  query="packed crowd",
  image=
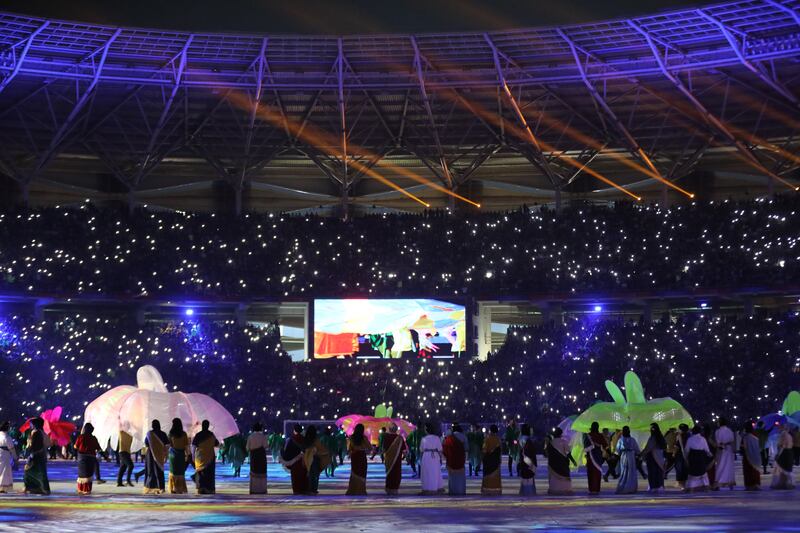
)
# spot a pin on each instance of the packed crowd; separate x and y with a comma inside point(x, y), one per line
point(737, 367)
point(88, 250)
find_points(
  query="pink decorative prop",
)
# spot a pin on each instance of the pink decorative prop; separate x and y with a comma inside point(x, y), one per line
point(133, 409)
point(58, 431)
point(372, 425)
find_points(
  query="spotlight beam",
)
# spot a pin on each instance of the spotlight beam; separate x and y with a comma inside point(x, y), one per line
point(526, 135)
point(633, 144)
point(317, 138)
point(523, 136)
point(710, 119)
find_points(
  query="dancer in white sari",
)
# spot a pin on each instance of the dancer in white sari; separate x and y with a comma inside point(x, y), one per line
point(726, 442)
point(431, 458)
point(8, 454)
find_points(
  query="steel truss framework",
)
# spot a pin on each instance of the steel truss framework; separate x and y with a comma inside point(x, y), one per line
point(295, 121)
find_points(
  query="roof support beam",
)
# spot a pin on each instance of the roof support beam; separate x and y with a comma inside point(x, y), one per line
point(709, 118)
point(585, 163)
point(737, 49)
point(374, 160)
point(342, 122)
point(150, 157)
point(379, 113)
point(251, 121)
point(448, 179)
point(633, 145)
point(309, 152)
point(310, 109)
point(71, 120)
point(538, 158)
point(19, 59)
point(786, 9)
point(465, 175)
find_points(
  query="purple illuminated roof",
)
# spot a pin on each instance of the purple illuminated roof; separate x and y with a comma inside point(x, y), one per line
point(165, 117)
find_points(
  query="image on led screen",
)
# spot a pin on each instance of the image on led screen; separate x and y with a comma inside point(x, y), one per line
point(389, 329)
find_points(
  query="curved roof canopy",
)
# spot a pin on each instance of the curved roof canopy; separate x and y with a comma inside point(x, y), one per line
point(693, 101)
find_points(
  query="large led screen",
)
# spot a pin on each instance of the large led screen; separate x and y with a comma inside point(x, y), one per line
point(389, 329)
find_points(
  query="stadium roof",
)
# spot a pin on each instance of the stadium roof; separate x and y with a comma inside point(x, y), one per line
point(699, 100)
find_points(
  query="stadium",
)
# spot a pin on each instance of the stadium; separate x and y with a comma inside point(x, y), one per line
point(460, 228)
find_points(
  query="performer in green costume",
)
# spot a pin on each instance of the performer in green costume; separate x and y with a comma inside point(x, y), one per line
point(512, 443)
point(475, 442)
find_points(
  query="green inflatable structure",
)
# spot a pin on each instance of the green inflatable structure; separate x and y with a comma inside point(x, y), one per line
point(632, 409)
point(791, 405)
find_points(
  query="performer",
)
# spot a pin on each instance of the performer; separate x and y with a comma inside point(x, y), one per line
point(475, 440)
point(357, 448)
point(670, 437)
point(156, 443)
point(492, 460)
point(203, 446)
point(124, 442)
point(276, 443)
point(763, 441)
point(796, 443)
point(613, 458)
point(698, 455)
point(725, 476)
point(627, 449)
point(528, 464)
point(412, 442)
point(379, 449)
point(782, 472)
point(558, 459)
point(512, 443)
point(233, 448)
point(87, 447)
point(682, 456)
point(708, 433)
point(751, 458)
point(394, 449)
point(653, 455)
point(35, 479)
point(257, 444)
point(430, 469)
point(104, 451)
point(341, 444)
point(455, 453)
point(292, 460)
point(329, 441)
point(594, 443)
point(316, 457)
point(8, 456)
point(178, 458)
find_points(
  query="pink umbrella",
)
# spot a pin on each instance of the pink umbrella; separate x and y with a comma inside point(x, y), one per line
point(372, 425)
point(58, 431)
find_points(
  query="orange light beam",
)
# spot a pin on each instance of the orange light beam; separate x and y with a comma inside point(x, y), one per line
point(317, 138)
point(709, 117)
point(652, 172)
point(528, 136)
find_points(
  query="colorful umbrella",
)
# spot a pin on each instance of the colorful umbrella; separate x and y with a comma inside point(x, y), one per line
point(373, 424)
point(58, 431)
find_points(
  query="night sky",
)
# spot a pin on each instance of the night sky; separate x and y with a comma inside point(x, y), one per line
point(338, 17)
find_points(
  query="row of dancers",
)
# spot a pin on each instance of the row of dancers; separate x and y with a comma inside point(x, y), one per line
point(698, 465)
